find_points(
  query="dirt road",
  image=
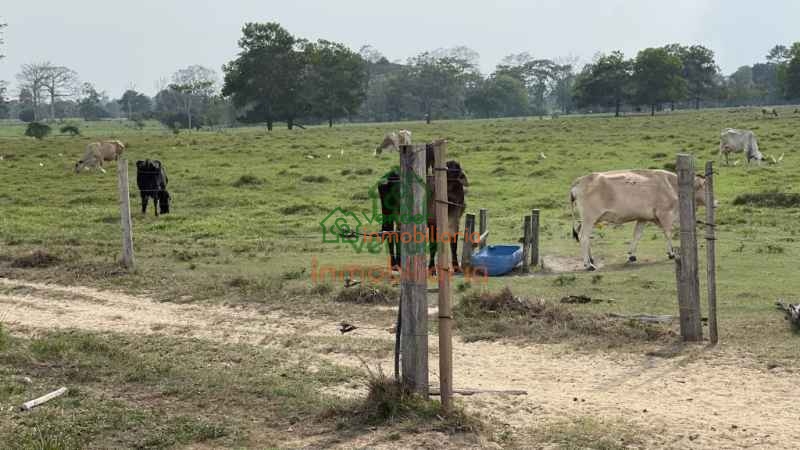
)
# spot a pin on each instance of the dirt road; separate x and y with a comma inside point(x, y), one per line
point(703, 399)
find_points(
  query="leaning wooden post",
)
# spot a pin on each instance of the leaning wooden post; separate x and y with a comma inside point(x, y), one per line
point(526, 243)
point(466, 249)
point(483, 225)
point(444, 272)
point(711, 263)
point(125, 214)
point(689, 283)
point(413, 282)
point(534, 237)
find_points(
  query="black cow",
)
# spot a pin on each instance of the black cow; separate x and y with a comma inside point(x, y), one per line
point(151, 178)
point(388, 191)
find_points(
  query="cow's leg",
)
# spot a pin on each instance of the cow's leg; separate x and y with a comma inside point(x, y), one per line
point(665, 222)
point(432, 246)
point(390, 239)
point(144, 202)
point(454, 256)
point(637, 236)
point(155, 204)
point(585, 238)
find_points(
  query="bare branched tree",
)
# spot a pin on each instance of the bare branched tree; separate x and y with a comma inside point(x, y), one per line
point(32, 78)
point(60, 82)
point(193, 81)
point(2, 41)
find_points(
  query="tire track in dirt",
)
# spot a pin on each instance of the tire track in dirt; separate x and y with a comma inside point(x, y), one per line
point(704, 400)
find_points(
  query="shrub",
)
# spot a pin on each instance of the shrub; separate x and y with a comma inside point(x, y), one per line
point(37, 130)
point(72, 130)
point(248, 180)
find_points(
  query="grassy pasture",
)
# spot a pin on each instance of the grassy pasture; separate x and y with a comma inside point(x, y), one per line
point(245, 228)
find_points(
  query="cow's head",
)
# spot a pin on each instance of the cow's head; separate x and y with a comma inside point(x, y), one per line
point(700, 191)
point(455, 174)
point(393, 141)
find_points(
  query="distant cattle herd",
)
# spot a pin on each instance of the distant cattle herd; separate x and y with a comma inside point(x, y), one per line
point(637, 195)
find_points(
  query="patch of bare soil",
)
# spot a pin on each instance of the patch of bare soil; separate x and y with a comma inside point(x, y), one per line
point(703, 399)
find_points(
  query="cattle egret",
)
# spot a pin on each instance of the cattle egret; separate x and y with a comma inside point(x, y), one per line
point(541, 155)
point(329, 156)
point(310, 156)
point(41, 164)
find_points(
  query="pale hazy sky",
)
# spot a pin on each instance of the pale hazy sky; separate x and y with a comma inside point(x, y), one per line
point(117, 44)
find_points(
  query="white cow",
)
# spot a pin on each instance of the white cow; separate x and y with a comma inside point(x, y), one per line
point(737, 141)
point(623, 196)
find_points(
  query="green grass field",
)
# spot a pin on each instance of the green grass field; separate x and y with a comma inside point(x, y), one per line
point(247, 206)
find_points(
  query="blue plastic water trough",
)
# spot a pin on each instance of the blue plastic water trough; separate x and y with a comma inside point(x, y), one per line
point(497, 259)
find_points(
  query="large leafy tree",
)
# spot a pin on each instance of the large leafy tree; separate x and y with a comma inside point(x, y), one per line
point(438, 84)
point(658, 77)
point(740, 84)
point(135, 103)
point(266, 77)
point(793, 72)
point(607, 82)
point(336, 80)
point(90, 105)
point(500, 95)
point(698, 69)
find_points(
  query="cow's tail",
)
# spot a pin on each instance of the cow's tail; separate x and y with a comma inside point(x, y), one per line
point(576, 225)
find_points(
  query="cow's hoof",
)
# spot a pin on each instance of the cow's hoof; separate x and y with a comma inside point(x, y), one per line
point(591, 268)
point(671, 255)
point(631, 258)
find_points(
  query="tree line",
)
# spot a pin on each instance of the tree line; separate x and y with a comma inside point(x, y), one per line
point(278, 77)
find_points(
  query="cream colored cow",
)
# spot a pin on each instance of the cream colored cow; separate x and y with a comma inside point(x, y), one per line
point(393, 141)
point(624, 196)
point(97, 152)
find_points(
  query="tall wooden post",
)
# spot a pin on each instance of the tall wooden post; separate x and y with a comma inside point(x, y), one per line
point(534, 237)
point(413, 281)
point(125, 214)
point(526, 243)
point(711, 262)
point(688, 281)
point(483, 225)
point(466, 249)
point(444, 271)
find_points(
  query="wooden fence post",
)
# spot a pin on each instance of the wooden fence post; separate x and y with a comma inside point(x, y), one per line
point(526, 243)
point(534, 237)
point(466, 249)
point(125, 214)
point(413, 281)
point(483, 225)
point(711, 262)
point(444, 274)
point(688, 281)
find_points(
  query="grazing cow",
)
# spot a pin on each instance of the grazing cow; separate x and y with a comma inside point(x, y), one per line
point(97, 152)
point(388, 191)
point(392, 141)
point(624, 196)
point(769, 112)
point(736, 141)
point(151, 178)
